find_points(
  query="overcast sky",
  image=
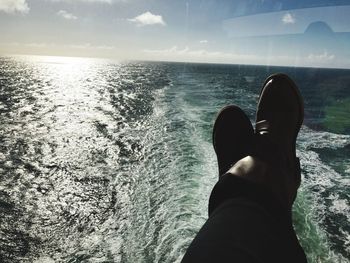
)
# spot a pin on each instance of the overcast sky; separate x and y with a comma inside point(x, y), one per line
point(294, 33)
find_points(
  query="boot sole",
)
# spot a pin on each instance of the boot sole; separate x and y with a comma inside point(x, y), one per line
point(240, 121)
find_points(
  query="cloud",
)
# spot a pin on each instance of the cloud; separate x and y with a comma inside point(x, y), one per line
point(89, 1)
point(325, 56)
point(89, 46)
point(204, 41)
point(186, 54)
point(80, 46)
point(36, 45)
point(147, 19)
point(14, 6)
point(198, 55)
point(64, 14)
point(288, 19)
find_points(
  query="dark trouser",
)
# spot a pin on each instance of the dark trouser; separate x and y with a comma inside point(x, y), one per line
point(246, 224)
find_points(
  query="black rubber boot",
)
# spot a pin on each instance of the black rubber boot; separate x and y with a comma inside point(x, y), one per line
point(280, 114)
point(232, 137)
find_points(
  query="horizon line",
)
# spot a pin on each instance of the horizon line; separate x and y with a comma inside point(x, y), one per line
point(170, 61)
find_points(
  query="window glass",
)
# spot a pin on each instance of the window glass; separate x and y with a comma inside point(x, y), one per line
point(107, 108)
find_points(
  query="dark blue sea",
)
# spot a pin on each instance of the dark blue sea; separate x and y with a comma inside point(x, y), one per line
point(102, 161)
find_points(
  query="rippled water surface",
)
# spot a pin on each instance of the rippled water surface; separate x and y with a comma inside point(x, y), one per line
point(112, 162)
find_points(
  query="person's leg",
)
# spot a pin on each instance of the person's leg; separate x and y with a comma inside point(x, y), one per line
point(246, 223)
point(249, 208)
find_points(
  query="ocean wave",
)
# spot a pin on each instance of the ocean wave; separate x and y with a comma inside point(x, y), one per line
point(324, 192)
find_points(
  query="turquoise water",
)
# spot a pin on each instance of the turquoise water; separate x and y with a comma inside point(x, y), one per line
point(112, 162)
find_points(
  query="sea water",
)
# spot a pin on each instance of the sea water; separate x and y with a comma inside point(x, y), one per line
point(102, 161)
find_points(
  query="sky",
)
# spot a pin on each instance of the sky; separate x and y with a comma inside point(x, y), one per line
point(312, 33)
